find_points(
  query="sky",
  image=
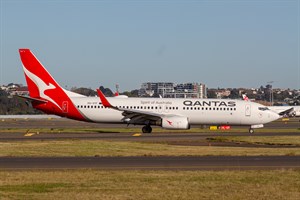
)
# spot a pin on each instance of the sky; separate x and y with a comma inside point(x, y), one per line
point(88, 43)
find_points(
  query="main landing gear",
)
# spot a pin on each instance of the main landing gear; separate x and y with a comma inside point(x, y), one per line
point(251, 130)
point(147, 129)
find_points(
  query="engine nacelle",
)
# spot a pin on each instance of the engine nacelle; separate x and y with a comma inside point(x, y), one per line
point(175, 122)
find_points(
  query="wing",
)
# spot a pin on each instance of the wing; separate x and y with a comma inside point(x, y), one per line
point(286, 112)
point(132, 116)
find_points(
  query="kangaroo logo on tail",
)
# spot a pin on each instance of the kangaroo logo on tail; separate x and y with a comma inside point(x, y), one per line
point(41, 85)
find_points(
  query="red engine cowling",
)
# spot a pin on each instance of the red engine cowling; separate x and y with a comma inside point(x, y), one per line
point(175, 122)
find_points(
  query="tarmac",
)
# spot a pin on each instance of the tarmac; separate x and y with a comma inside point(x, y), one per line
point(153, 163)
point(143, 163)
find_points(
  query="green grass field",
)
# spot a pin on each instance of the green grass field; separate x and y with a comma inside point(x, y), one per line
point(96, 184)
point(108, 148)
point(263, 140)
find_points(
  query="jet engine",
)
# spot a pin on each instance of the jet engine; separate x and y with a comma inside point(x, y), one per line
point(175, 122)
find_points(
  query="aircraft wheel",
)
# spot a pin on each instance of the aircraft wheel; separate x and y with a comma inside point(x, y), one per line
point(147, 129)
point(251, 130)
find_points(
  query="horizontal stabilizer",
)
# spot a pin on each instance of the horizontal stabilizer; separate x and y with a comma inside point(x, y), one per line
point(31, 99)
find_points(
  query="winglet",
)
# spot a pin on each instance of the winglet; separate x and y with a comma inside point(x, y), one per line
point(103, 99)
point(245, 98)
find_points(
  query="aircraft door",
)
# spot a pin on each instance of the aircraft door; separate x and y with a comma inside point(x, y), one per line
point(248, 110)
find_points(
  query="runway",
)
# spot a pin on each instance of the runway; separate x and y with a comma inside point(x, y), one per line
point(153, 163)
point(143, 163)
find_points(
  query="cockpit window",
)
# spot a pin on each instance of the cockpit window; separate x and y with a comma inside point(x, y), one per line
point(263, 108)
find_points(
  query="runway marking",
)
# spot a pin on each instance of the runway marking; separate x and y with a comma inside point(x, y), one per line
point(28, 134)
point(136, 134)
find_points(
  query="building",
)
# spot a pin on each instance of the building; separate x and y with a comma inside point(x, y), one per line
point(222, 93)
point(156, 88)
point(171, 90)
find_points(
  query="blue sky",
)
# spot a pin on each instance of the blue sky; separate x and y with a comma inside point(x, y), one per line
point(91, 43)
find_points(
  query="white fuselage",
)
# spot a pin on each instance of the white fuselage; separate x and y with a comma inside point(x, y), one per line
point(198, 111)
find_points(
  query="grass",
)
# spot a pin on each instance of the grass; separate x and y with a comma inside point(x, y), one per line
point(263, 140)
point(97, 184)
point(107, 148)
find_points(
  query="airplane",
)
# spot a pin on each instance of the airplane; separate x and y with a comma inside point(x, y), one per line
point(286, 111)
point(47, 95)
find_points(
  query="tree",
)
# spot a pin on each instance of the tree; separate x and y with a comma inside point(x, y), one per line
point(106, 91)
point(234, 94)
point(85, 91)
point(211, 94)
point(132, 93)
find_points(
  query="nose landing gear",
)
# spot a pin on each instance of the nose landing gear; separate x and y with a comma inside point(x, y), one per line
point(251, 130)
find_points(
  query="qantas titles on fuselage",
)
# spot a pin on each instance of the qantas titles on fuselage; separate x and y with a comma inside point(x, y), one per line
point(209, 103)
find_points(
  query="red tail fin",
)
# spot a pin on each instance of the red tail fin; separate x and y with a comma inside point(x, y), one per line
point(39, 81)
point(41, 85)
